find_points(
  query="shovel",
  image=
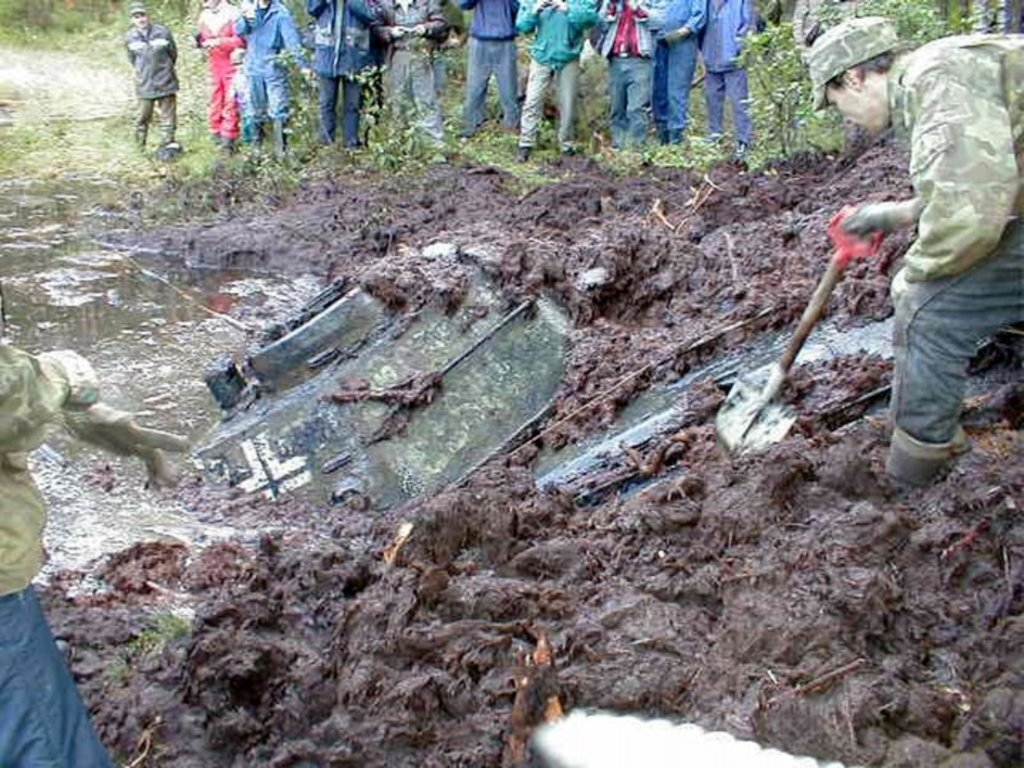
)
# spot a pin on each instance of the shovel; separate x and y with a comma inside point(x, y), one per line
point(750, 419)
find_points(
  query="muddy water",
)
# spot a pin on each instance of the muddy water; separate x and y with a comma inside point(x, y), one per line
point(149, 330)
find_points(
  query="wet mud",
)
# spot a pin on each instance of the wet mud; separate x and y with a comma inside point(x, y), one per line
point(793, 597)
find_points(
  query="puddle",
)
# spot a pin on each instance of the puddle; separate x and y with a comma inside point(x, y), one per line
point(150, 332)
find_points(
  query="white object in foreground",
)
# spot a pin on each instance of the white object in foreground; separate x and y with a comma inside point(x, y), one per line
point(601, 740)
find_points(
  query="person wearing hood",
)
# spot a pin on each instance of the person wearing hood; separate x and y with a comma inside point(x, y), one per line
point(270, 33)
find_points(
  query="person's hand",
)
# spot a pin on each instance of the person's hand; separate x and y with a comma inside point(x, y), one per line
point(211, 42)
point(420, 30)
point(118, 432)
point(882, 217)
point(677, 34)
point(397, 33)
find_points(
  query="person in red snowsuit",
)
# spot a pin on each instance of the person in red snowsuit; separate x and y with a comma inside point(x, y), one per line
point(217, 36)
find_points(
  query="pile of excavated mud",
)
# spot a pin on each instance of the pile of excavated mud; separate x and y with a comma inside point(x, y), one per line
point(790, 597)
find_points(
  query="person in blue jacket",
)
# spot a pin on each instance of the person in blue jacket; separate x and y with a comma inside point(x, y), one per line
point(729, 21)
point(269, 31)
point(342, 50)
point(675, 61)
point(492, 51)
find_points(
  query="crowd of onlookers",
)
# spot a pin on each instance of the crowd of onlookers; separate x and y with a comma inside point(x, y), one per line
point(358, 49)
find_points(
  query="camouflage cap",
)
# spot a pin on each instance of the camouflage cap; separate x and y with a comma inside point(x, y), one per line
point(137, 7)
point(847, 45)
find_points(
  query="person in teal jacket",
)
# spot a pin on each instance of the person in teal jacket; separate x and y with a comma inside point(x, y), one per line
point(559, 27)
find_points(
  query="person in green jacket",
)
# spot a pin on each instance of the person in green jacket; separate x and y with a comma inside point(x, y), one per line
point(43, 720)
point(958, 101)
point(560, 26)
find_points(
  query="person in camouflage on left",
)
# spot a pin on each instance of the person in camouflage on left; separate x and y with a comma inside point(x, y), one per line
point(959, 102)
point(43, 720)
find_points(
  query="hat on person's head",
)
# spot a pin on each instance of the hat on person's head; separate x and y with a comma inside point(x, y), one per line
point(137, 8)
point(847, 45)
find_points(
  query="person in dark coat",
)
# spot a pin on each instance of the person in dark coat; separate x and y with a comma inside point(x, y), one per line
point(343, 52)
point(153, 54)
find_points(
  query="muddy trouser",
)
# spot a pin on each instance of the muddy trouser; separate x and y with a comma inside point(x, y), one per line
point(411, 78)
point(567, 80)
point(629, 86)
point(43, 721)
point(937, 326)
point(166, 108)
point(731, 85)
point(486, 58)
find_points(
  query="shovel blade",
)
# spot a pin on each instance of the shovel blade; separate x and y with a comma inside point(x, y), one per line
point(747, 421)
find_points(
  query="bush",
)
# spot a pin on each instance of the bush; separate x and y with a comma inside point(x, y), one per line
point(781, 98)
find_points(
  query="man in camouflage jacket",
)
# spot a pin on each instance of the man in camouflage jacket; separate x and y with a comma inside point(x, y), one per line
point(43, 720)
point(959, 102)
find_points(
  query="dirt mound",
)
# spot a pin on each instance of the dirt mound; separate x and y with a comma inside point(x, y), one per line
point(792, 597)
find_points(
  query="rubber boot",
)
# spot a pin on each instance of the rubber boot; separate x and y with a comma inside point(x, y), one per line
point(140, 136)
point(915, 464)
point(258, 133)
point(280, 139)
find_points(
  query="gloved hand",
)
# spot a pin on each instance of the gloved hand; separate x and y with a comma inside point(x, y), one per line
point(883, 217)
point(676, 35)
point(118, 432)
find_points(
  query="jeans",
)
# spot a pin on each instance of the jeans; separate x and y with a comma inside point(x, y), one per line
point(567, 80)
point(352, 102)
point(166, 109)
point(629, 86)
point(937, 326)
point(674, 66)
point(269, 97)
point(486, 58)
point(731, 85)
point(43, 721)
point(411, 79)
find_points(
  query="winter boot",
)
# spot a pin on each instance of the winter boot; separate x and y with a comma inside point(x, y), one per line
point(280, 139)
point(524, 154)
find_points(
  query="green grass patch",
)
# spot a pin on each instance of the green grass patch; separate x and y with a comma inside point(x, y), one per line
point(161, 629)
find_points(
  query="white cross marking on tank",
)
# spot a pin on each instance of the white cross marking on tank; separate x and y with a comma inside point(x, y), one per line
point(270, 474)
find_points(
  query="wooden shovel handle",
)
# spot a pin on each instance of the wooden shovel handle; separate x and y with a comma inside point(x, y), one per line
point(813, 312)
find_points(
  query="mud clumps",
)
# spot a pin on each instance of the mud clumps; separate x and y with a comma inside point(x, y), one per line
point(791, 597)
